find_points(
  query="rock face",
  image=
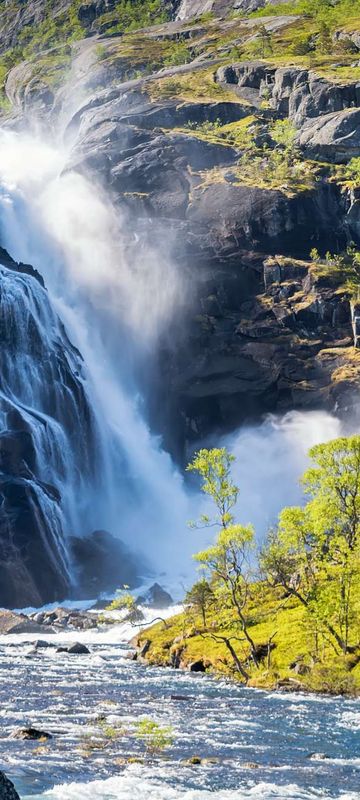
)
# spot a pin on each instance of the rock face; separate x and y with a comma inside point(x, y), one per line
point(268, 329)
point(193, 8)
point(7, 789)
point(326, 113)
point(103, 564)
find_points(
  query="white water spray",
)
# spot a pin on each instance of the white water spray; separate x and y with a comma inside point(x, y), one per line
point(111, 308)
point(114, 299)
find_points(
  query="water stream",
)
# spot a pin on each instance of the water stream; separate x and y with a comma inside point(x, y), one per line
point(259, 744)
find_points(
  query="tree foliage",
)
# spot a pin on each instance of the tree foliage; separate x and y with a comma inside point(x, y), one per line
point(315, 552)
point(228, 560)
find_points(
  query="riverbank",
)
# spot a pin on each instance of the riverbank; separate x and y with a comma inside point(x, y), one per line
point(293, 656)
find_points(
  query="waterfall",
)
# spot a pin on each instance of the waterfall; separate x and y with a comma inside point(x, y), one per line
point(114, 300)
point(96, 464)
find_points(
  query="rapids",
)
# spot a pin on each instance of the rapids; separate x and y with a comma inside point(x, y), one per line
point(215, 719)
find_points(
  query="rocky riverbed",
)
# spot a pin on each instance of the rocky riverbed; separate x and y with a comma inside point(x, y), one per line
point(234, 742)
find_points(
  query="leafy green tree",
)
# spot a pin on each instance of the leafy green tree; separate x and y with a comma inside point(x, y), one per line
point(200, 598)
point(315, 553)
point(214, 468)
point(325, 44)
point(284, 133)
point(264, 46)
point(228, 560)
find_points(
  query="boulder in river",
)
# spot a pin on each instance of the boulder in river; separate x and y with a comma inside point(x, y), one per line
point(197, 666)
point(7, 789)
point(155, 597)
point(10, 622)
point(32, 734)
point(77, 648)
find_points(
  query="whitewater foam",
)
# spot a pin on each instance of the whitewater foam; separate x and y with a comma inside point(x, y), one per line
point(139, 785)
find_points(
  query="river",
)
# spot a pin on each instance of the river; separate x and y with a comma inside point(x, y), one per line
point(258, 744)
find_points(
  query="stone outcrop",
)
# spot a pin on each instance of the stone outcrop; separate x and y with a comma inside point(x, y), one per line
point(193, 8)
point(7, 789)
point(155, 597)
point(11, 623)
point(333, 137)
point(326, 113)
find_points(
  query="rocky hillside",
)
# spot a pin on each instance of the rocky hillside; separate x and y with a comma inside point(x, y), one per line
point(229, 133)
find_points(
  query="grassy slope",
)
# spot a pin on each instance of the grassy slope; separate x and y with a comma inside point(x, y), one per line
point(48, 44)
point(272, 616)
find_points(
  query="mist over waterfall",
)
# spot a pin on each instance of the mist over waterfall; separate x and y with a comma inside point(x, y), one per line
point(112, 312)
point(115, 295)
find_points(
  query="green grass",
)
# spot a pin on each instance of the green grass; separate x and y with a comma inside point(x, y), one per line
point(293, 635)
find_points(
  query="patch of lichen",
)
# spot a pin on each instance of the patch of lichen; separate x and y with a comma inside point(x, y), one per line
point(296, 182)
point(343, 364)
point(194, 86)
point(282, 621)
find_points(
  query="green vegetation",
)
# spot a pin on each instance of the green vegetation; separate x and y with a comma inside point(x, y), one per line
point(279, 166)
point(341, 269)
point(324, 11)
point(291, 616)
point(155, 737)
point(197, 85)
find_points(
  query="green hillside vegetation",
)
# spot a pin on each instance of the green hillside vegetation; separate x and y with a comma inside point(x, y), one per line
point(306, 41)
point(287, 616)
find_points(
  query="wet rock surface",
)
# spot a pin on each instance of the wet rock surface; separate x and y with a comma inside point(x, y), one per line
point(31, 734)
point(7, 789)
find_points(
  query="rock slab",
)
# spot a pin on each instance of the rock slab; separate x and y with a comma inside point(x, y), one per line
point(7, 789)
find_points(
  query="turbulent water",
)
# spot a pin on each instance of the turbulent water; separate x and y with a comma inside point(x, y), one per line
point(261, 742)
point(60, 223)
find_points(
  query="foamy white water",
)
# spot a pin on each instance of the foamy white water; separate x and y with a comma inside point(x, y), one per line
point(254, 744)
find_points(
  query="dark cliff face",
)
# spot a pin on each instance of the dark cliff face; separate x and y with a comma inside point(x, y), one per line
point(38, 369)
point(246, 345)
point(163, 118)
point(48, 456)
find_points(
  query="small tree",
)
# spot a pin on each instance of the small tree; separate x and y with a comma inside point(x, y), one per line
point(200, 598)
point(325, 44)
point(156, 737)
point(284, 133)
point(265, 42)
point(227, 561)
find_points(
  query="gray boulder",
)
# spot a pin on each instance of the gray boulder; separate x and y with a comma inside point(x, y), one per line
point(333, 136)
point(10, 622)
point(155, 597)
point(77, 648)
point(7, 789)
point(32, 734)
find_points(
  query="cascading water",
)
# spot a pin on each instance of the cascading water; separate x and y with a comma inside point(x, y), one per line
point(57, 221)
point(114, 298)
